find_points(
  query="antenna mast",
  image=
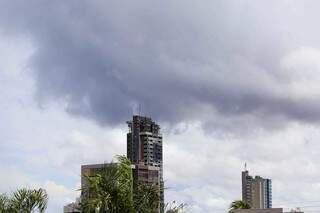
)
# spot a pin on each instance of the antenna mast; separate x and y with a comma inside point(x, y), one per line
point(139, 109)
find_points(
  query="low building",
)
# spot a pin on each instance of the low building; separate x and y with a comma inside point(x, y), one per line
point(72, 207)
point(270, 210)
point(142, 174)
point(87, 170)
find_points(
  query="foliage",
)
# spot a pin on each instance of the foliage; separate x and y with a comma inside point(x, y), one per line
point(4, 203)
point(238, 204)
point(24, 201)
point(111, 191)
point(173, 208)
point(146, 199)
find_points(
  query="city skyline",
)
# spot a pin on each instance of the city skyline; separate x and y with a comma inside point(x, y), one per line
point(228, 82)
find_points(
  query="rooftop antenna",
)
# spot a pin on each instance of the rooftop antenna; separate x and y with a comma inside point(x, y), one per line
point(139, 109)
point(245, 166)
point(132, 110)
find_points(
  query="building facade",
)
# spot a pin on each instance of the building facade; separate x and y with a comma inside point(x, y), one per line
point(71, 208)
point(141, 174)
point(257, 191)
point(92, 169)
point(270, 210)
point(144, 150)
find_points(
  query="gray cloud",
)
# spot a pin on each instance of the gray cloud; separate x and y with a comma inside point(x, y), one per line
point(227, 64)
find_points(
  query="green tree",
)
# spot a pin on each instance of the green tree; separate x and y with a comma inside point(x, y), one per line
point(24, 201)
point(146, 199)
point(4, 203)
point(29, 200)
point(238, 204)
point(174, 208)
point(111, 191)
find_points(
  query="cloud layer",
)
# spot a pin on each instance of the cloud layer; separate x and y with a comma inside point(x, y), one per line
point(231, 65)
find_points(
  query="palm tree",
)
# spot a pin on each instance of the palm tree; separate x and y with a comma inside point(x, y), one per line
point(173, 208)
point(110, 190)
point(28, 201)
point(238, 204)
point(24, 201)
point(146, 198)
point(4, 203)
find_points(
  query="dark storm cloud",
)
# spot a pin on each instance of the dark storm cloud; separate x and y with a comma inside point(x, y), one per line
point(216, 61)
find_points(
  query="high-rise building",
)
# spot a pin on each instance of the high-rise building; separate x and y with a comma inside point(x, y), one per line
point(257, 191)
point(144, 149)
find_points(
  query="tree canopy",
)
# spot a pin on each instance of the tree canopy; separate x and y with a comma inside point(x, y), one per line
point(111, 191)
point(238, 204)
point(24, 201)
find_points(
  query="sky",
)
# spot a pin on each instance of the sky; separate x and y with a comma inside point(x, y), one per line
point(229, 82)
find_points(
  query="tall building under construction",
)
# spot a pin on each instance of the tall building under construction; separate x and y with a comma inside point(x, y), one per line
point(256, 191)
point(144, 150)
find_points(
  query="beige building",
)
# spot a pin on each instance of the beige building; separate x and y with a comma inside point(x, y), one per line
point(142, 174)
point(271, 210)
point(91, 169)
point(258, 193)
point(72, 207)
